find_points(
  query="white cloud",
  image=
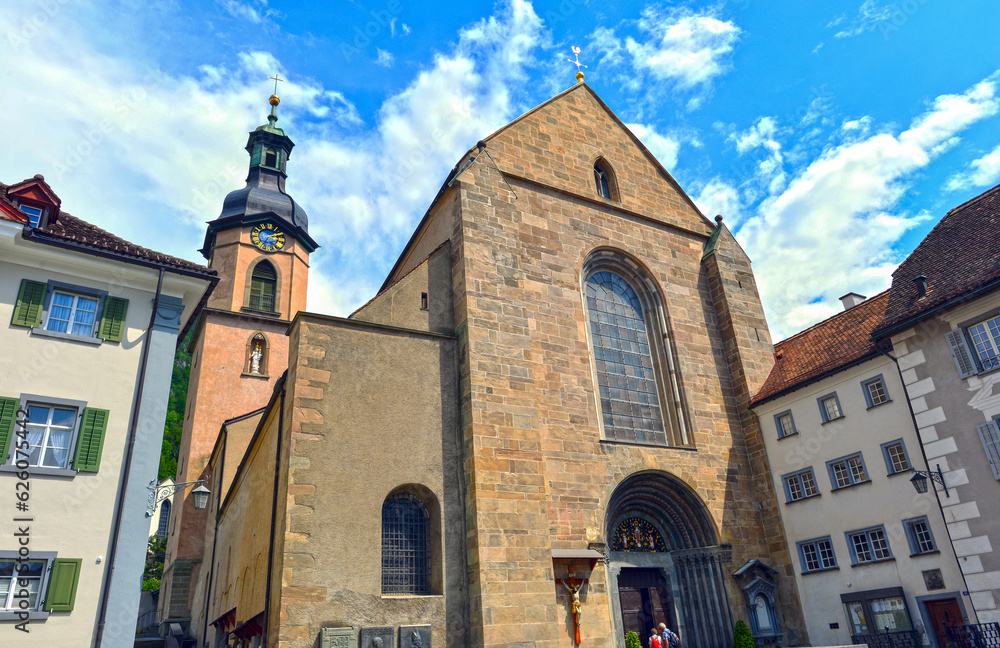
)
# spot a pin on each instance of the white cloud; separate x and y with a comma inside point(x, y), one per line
point(150, 155)
point(870, 16)
point(763, 135)
point(384, 58)
point(981, 172)
point(608, 46)
point(255, 12)
point(687, 48)
point(406, 29)
point(832, 230)
point(719, 197)
point(663, 148)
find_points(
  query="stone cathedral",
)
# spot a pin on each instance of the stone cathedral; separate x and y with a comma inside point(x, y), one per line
point(536, 434)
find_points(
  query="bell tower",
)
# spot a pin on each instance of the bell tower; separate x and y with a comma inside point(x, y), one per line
point(259, 245)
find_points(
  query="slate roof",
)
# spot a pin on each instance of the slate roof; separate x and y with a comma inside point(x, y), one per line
point(960, 258)
point(75, 230)
point(823, 349)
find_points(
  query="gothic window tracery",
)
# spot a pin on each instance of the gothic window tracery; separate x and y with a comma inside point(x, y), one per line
point(604, 180)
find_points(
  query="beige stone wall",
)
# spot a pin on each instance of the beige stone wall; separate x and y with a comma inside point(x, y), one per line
point(373, 412)
point(401, 303)
point(539, 472)
point(242, 539)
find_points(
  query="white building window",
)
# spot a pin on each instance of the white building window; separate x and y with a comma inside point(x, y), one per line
point(869, 545)
point(829, 407)
point(986, 338)
point(50, 434)
point(16, 581)
point(847, 471)
point(73, 314)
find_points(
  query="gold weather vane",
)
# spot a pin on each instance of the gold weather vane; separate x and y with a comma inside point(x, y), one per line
point(577, 63)
point(274, 98)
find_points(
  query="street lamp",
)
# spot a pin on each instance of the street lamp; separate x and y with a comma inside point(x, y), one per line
point(159, 493)
point(920, 477)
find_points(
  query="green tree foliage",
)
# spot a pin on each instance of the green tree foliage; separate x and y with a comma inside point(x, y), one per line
point(742, 637)
point(156, 551)
point(175, 409)
point(632, 640)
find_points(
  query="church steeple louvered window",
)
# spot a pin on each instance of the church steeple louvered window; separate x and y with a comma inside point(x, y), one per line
point(263, 285)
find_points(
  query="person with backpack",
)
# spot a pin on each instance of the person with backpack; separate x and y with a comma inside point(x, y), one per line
point(668, 639)
point(654, 639)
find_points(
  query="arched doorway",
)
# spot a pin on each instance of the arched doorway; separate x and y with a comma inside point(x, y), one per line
point(665, 562)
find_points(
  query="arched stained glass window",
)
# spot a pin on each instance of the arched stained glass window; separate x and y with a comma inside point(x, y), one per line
point(263, 284)
point(405, 546)
point(630, 398)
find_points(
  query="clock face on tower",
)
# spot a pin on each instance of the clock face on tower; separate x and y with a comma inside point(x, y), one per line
point(267, 237)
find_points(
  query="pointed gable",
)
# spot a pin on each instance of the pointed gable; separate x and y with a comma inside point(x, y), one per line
point(558, 143)
point(35, 192)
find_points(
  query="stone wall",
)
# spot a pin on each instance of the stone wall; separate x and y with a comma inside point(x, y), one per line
point(373, 413)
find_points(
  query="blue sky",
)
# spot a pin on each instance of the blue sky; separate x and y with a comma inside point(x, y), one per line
point(831, 136)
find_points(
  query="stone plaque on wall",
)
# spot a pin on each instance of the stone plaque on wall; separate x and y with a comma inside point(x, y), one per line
point(383, 637)
point(933, 580)
point(415, 636)
point(339, 638)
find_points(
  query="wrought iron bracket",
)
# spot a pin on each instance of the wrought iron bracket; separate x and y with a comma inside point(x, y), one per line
point(159, 493)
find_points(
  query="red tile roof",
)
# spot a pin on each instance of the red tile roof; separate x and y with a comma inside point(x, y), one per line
point(75, 230)
point(825, 348)
point(959, 257)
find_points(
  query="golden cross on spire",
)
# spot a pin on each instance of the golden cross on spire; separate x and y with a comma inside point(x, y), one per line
point(276, 78)
point(577, 63)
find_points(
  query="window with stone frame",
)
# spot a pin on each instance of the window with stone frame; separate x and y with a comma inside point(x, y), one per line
point(263, 287)
point(785, 424)
point(800, 485)
point(405, 546)
point(896, 459)
point(869, 545)
point(604, 180)
point(918, 534)
point(817, 555)
point(829, 407)
point(847, 471)
point(875, 391)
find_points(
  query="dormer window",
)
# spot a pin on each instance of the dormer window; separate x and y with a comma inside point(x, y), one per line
point(270, 158)
point(604, 180)
point(34, 214)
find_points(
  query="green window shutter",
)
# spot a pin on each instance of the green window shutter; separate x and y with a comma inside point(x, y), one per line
point(30, 301)
point(91, 440)
point(113, 319)
point(8, 415)
point(63, 580)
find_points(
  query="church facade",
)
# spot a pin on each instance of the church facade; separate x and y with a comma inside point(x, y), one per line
point(536, 434)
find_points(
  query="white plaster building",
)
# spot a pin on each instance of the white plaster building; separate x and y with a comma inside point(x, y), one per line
point(942, 320)
point(870, 554)
point(83, 390)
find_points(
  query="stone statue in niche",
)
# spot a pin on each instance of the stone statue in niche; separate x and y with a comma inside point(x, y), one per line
point(255, 357)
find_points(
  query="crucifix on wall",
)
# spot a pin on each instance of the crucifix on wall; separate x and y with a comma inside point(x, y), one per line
point(573, 586)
